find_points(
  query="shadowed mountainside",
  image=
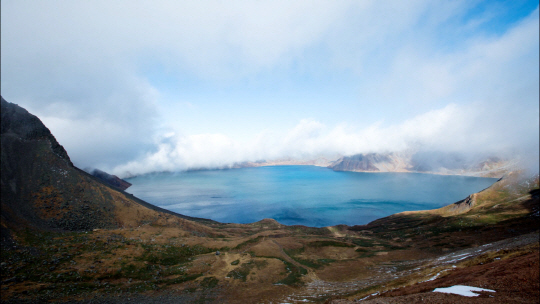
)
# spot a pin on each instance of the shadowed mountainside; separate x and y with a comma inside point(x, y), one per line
point(111, 180)
point(41, 188)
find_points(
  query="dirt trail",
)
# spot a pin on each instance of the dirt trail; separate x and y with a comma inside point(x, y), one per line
point(287, 257)
point(311, 274)
point(335, 232)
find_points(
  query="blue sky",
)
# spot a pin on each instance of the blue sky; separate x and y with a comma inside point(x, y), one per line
point(144, 86)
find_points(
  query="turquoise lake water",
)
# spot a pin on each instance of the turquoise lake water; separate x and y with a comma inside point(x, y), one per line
point(300, 195)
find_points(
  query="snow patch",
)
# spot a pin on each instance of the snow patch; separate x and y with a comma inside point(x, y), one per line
point(373, 294)
point(462, 290)
point(434, 277)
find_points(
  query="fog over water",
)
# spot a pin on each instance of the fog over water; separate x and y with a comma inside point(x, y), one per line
point(301, 195)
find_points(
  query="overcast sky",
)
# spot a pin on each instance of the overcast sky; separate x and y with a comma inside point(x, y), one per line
point(145, 86)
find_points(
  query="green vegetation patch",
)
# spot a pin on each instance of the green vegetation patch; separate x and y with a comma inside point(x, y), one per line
point(316, 264)
point(141, 287)
point(260, 264)
point(292, 252)
point(365, 253)
point(318, 244)
point(295, 274)
point(326, 261)
point(168, 255)
point(372, 243)
point(180, 279)
point(241, 272)
point(299, 230)
point(308, 262)
point(248, 242)
point(44, 262)
point(43, 257)
point(209, 282)
point(364, 242)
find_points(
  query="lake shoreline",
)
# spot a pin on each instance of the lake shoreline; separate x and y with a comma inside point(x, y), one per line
point(354, 197)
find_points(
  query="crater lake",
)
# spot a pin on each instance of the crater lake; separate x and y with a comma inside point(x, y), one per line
point(301, 195)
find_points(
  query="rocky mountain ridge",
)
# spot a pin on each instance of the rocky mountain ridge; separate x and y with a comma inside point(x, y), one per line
point(426, 162)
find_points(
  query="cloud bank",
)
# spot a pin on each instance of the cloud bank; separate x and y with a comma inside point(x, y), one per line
point(446, 129)
point(145, 86)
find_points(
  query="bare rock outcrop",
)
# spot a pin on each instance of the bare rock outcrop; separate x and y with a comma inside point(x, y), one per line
point(462, 206)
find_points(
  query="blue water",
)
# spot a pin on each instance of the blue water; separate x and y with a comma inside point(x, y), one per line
point(301, 195)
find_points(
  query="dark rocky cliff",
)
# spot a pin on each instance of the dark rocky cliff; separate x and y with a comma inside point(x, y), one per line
point(40, 186)
point(42, 189)
point(18, 123)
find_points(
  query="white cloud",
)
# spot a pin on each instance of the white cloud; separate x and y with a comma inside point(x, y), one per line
point(446, 129)
point(425, 72)
point(211, 38)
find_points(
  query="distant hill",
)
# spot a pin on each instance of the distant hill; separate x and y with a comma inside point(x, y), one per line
point(361, 162)
point(425, 162)
point(319, 162)
point(112, 180)
point(433, 162)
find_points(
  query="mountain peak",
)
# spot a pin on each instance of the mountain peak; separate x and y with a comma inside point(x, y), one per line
point(18, 122)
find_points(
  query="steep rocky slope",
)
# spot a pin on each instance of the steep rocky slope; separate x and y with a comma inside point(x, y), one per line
point(41, 188)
